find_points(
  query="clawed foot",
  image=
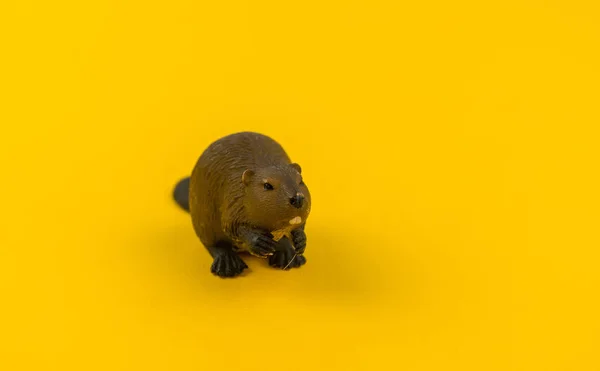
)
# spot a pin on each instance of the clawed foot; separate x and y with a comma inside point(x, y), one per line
point(299, 239)
point(283, 260)
point(228, 264)
point(262, 246)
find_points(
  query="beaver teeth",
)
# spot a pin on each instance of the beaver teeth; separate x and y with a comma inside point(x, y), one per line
point(296, 220)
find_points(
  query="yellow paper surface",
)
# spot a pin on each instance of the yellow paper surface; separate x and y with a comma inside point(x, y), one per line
point(451, 149)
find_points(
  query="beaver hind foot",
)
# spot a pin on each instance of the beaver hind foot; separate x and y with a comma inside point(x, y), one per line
point(281, 260)
point(286, 257)
point(226, 263)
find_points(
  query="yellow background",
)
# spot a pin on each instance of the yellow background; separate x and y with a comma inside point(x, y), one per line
point(451, 149)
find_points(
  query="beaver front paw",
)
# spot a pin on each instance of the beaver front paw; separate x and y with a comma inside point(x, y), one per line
point(283, 260)
point(299, 239)
point(228, 264)
point(262, 246)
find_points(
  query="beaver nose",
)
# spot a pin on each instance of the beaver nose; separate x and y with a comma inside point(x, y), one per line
point(297, 200)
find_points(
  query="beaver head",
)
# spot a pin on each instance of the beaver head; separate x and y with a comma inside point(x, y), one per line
point(276, 197)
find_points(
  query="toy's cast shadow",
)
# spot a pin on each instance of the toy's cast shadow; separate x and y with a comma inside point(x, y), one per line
point(338, 267)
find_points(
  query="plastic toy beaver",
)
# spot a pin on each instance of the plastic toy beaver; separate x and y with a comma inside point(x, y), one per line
point(246, 195)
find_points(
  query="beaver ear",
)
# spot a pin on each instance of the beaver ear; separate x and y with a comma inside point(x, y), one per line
point(248, 174)
point(297, 167)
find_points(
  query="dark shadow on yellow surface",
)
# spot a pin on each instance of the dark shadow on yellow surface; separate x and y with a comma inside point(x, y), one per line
point(341, 267)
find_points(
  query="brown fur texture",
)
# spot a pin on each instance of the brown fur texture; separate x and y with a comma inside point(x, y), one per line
point(243, 191)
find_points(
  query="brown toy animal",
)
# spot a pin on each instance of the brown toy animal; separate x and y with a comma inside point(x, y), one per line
point(246, 195)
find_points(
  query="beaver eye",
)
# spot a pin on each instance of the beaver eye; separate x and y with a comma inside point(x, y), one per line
point(268, 187)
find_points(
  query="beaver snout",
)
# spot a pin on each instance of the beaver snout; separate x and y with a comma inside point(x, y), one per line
point(297, 201)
